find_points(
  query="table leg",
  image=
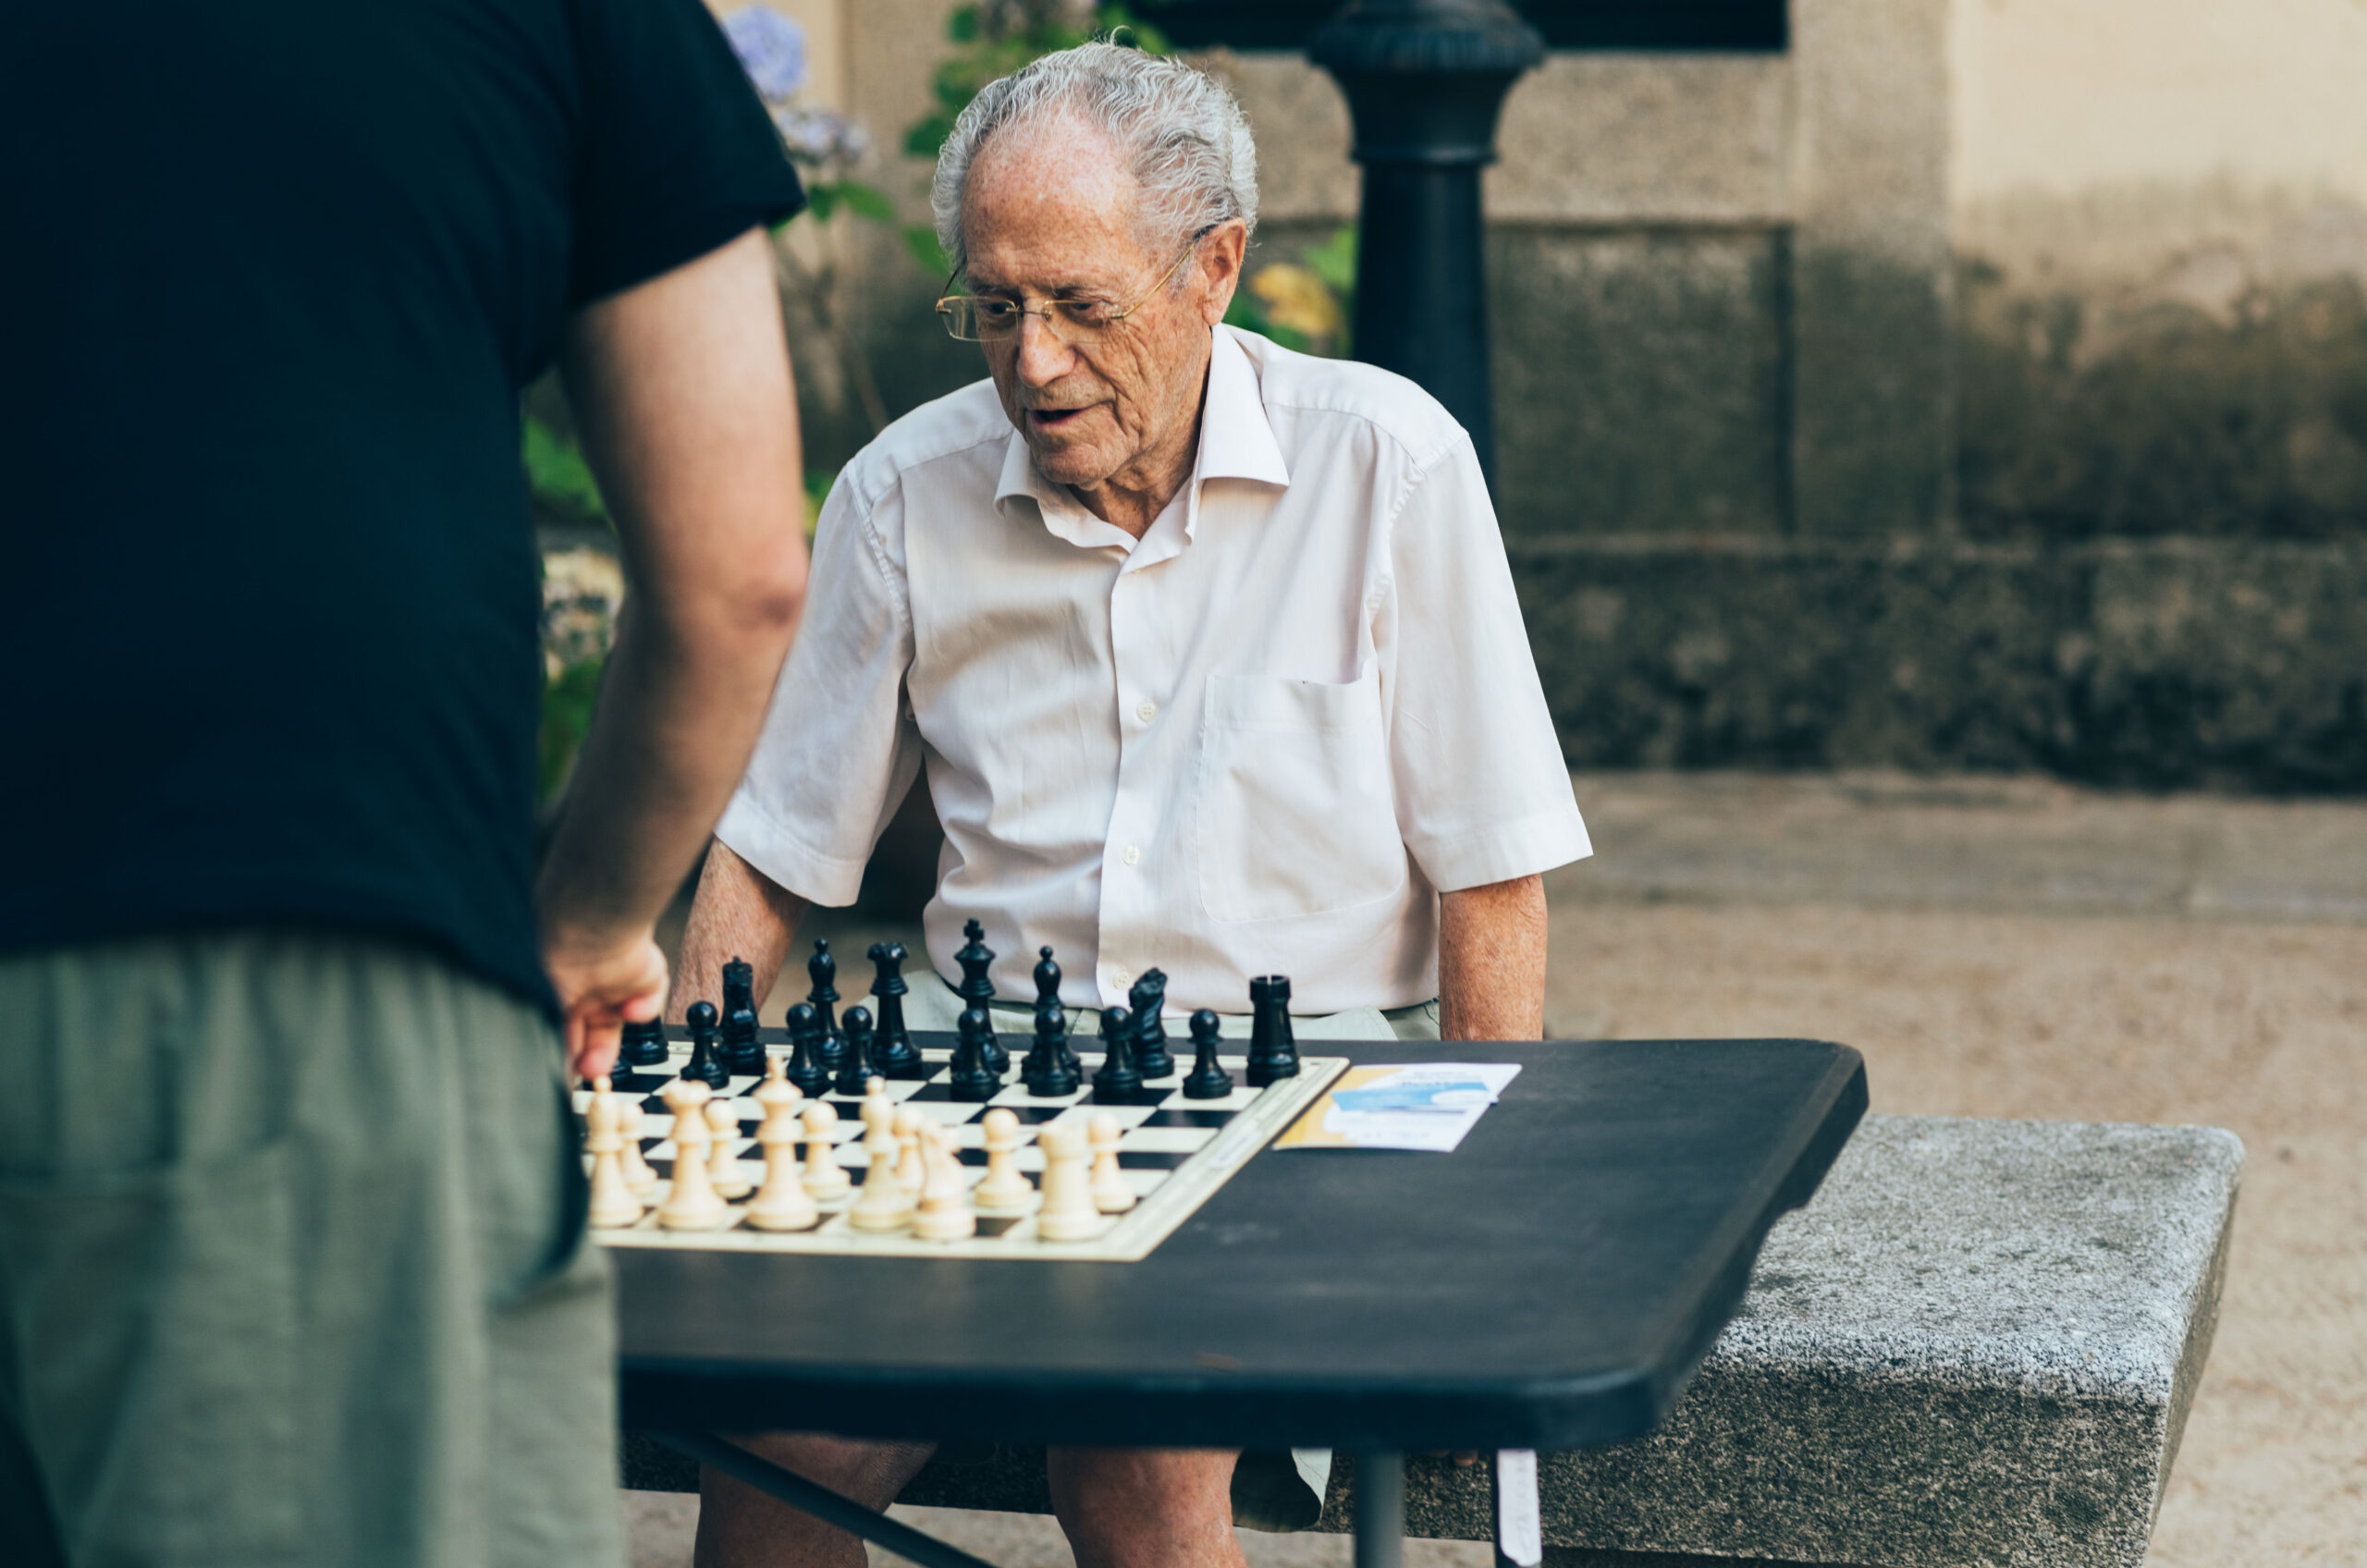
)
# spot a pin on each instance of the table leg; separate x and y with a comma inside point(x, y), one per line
point(814, 1498)
point(1380, 1509)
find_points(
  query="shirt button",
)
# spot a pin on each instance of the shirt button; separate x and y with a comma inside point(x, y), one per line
point(1147, 711)
point(1120, 979)
point(1134, 854)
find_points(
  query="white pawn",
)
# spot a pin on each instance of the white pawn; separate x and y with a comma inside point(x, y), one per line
point(640, 1180)
point(693, 1204)
point(613, 1205)
point(1068, 1214)
point(910, 1169)
point(945, 1213)
point(1004, 1189)
point(723, 1168)
point(883, 1205)
point(1111, 1193)
point(825, 1179)
point(783, 1204)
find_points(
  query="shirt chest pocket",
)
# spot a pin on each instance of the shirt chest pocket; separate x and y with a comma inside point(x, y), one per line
point(1296, 810)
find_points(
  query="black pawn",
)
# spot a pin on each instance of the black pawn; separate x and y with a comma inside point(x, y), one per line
point(742, 1054)
point(1274, 1051)
point(1148, 999)
point(857, 1068)
point(1051, 1068)
point(831, 1044)
point(1209, 1081)
point(644, 1045)
point(972, 1078)
point(805, 1069)
point(891, 1049)
point(702, 1065)
point(1048, 978)
point(1117, 1083)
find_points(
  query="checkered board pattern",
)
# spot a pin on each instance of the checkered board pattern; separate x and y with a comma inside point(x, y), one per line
point(1175, 1154)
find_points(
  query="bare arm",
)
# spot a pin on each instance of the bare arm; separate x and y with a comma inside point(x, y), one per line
point(681, 386)
point(739, 912)
point(1491, 962)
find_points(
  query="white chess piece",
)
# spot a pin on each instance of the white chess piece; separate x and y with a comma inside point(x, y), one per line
point(1111, 1193)
point(1068, 1214)
point(825, 1179)
point(782, 1204)
point(613, 1205)
point(945, 1213)
point(1003, 1190)
point(723, 1168)
point(883, 1205)
point(910, 1167)
point(691, 1204)
point(640, 1180)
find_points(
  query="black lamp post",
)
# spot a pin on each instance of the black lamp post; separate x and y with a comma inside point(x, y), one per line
point(1425, 81)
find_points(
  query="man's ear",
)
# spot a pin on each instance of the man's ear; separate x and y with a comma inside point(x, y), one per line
point(1221, 258)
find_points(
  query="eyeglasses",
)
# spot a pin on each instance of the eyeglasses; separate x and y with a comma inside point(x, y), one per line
point(975, 318)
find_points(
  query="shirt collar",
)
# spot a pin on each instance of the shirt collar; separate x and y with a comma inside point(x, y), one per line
point(1236, 442)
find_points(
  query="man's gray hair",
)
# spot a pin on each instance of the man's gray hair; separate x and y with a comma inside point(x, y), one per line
point(1178, 129)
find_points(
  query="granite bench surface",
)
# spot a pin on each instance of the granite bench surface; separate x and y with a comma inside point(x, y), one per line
point(1975, 1348)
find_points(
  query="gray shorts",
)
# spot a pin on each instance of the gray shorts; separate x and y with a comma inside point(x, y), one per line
point(292, 1265)
point(1276, 1489)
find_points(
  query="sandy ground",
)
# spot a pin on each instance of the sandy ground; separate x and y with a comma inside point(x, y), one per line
point(2016, 949)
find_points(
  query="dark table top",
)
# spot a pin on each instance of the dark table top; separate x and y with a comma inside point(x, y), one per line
point(1551, 1284)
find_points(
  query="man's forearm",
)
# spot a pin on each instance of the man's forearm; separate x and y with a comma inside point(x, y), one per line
point(739, 912)
point(1491, 962)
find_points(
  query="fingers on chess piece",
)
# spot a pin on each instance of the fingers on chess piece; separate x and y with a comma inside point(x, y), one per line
point(723, 1172)
point(826, 1179)
point(1208, 1080)
point(705, 1067)
point(691, 1202)
point(1067, 1213)
point(783, 1203)
point(1117, 1083)
point(1147, 999)
point(613, 1203)
point(1003, 1189)
point(643, 1044)
point(944, 1213)
point(856, 1067)
point(1111, 1193)
point(1273, 1052)
point(805, 1069)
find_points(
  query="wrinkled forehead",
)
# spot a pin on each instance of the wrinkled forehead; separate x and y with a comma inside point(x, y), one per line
point(1051, 205)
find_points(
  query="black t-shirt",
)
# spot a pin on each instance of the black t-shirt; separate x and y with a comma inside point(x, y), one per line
point(274, 274)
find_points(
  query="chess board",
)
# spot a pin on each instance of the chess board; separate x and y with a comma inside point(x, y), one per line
point(1174, 1153)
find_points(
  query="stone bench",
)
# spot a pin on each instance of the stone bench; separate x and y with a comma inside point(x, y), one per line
point(1976, 1346)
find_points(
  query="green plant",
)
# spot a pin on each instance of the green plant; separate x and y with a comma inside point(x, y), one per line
point(1307, 304)
point(567, 701)
point(558, 476)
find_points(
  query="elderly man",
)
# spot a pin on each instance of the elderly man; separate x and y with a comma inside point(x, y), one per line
point(1212, 657)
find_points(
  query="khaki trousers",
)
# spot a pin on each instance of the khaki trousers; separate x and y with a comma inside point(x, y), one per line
point(292, 1265)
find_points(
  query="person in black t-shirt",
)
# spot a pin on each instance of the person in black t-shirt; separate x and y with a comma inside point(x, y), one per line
point(292, 1254)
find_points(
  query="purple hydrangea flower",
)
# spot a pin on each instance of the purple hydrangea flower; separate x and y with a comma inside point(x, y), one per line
point(771, 50)
point(821, 136)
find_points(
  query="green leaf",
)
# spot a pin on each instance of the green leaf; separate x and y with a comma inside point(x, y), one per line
point(557, 473)
point(821, 199)
point(1334, 261)
point(867, 200)
point(921, 241)
point(568, 702)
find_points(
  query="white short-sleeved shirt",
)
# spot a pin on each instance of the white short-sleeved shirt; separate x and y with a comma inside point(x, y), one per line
point(1258, 740)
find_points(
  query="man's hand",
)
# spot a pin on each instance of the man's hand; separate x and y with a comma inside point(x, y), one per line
point(601, 989)
point(1491, 962)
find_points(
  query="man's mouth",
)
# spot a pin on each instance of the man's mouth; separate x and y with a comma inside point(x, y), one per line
point(1052, 419)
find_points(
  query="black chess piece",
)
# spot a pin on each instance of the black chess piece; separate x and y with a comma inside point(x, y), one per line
point(1209, 1081)
point(857, 1068)
point(644, 1045)
point(830, 1046)
point(976, 989)
point(1047, 989)
point(1273, 1052)
point(704, 1065)
point(1147, 997)
point(893, 1055)
point(1117, 1083)
point(972, 1078)
point(1051, 1068)
point(805, 1069)
point(744, 1057)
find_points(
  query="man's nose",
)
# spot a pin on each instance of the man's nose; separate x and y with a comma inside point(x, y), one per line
point(1043, 357)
